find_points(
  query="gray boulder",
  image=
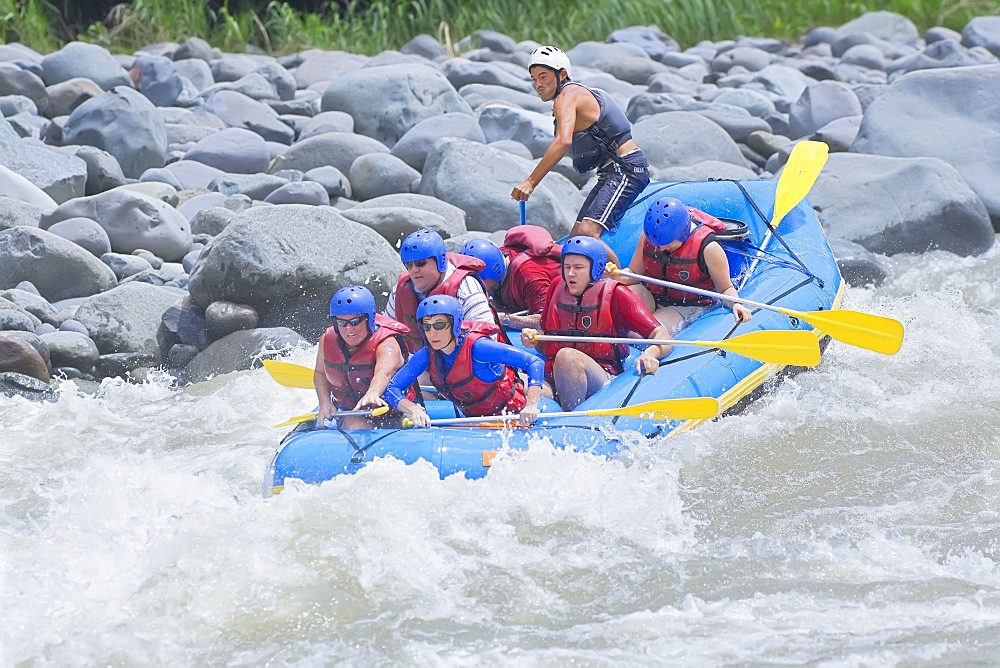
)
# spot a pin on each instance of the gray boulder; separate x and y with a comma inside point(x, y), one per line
point(327, 121)
point(125, 124)
point(820, 104)
point(71, 349)
point(103, 171)
point(224, 318)
point(66, 96)
point(184, 175)
point(239, 351)
point(58, 175)
point(379, 174)
point(254, 186)
point(233, 150)
point(14, 212)
point(479, 94)
point(336, 149)
point(239, 111)
point(479, 179)
point(132, 221)
point(532, 129)
point(15, 80)
point(396, 223)
point(158, 79)
point(78, 59)
point(889, 26)
point(33, 304)
point(300, 192)
point(125, 265)
point(454, 217)
point(58, 268)
point(983, 31)
point(320, 66)
point(900, 205)
point(332, 180)
point(677, 138)
point(600, 56)
point(387, 101)
point(413, 147)
point(905, 120)
point(85, 233)
point(285, 260)
point(462, 72)
point(125, 319)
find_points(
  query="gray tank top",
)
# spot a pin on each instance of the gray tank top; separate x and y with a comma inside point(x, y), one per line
point(593, 146)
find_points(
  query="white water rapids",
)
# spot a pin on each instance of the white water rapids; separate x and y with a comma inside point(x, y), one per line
point(850, 517)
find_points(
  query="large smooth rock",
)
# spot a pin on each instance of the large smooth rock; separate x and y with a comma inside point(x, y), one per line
point(71, 349)
point(286, 261)
point(334, 149)
point(906, 120)
point(58, 268)
point(239, 111)
point(858, 265)
point(132, 220)
point(387, 101)
point(378, 174)
point(15, 212)
point(233, 150)
point(158, 79)
point(60, 176)
point(454, 217)
point(396, 223)
point(479, 179)
point(126, 318)
point(529, 128)
point(820, 104)
point(239, 351)
point(678, 138)
point(900, 205)
point(124, 123)
point(78, 59)
point(414, 146)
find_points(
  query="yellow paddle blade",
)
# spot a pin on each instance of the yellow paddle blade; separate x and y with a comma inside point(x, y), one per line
point(793, 347)
point(665, 409)
point(290, 375)
point(375, 412)
point(798, 176)
point(865, 330)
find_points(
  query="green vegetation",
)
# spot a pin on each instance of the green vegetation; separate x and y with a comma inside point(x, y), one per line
point(376, 25)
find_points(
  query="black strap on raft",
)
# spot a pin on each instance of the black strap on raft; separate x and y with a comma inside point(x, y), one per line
point(774, 232)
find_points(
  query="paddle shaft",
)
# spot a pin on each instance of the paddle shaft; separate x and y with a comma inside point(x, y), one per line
point(504, 418)
point(625, 339)
point(699, 291)
point(524, 215)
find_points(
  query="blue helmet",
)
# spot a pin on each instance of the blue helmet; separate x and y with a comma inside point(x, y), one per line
point(588, 247)
point(440, 305)
point(487, 251)
point(667, 221)
point(352, 300)
point(424, 243)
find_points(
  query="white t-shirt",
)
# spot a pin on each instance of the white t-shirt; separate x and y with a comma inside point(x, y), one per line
point(473, 300)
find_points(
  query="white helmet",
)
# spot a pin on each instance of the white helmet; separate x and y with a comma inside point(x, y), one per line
point(552, 57)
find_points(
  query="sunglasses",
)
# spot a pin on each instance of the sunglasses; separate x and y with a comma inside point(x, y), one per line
point(436, 326)
point(353, 322)
point(416, 263)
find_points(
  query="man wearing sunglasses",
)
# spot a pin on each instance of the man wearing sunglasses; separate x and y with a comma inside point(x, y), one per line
point(478, 374)
point(431, 270)
point(357, 357)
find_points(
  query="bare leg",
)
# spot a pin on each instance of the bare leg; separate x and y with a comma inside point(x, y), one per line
point(577, 376)
point(591, 228)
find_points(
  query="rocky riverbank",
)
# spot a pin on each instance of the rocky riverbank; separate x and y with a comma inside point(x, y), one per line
point(183, 208)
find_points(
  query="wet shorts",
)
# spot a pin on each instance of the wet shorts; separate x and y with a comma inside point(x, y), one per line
point(618, 184)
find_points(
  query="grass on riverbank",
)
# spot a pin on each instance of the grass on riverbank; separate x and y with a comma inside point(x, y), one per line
point(372, 27)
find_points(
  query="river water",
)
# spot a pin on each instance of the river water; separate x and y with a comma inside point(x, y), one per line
point(851, 517)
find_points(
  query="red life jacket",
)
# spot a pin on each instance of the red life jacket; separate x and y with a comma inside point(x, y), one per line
point(407, 298)
point(533, 254)
point(350, 374)
point(587, 315)
point(475, 397)
point(685, 265)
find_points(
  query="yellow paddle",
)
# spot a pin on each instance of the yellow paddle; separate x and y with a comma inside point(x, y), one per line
point(698, 408)
point(289, 374)
point(794, 347)
point(375, 412)
point(805, 162)
point(865, 330)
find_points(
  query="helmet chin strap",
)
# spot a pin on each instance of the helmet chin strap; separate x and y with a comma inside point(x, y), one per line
point(560, 83)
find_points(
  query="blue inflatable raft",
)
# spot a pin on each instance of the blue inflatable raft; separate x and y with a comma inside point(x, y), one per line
point(799, 274)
